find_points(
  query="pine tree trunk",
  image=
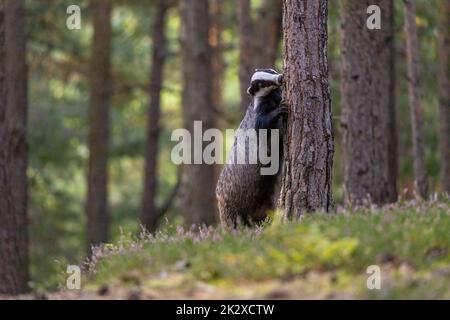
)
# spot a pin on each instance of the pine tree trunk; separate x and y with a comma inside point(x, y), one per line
point(268, 35)
point(13, 149)
point(414, 88)
point(246, 54)
point(444, 90)
point(306, 185)
point(149, 214)
point(217, 59)
point(217, 64)
point(100, 84)
point(198, 180)
point(368, 104)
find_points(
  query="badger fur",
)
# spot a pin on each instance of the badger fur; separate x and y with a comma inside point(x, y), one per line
point(245, 195)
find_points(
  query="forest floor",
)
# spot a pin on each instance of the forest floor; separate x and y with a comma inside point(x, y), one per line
point(320, 257)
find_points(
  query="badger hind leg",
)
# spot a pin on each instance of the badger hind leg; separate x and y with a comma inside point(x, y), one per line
point(230, 216)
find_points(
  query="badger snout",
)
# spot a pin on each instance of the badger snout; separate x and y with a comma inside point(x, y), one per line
point(280, 79)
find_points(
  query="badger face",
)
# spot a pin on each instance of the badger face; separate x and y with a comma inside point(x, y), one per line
point(263, 82)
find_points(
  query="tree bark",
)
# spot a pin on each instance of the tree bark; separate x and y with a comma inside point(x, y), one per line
point(198, 181)
point(414, 88)
point(246, 41)
point(444, 91)
point(100, 84)
point(368, 104)
point(306, 184)
point(268, 35)
point(150, 215)
point(13, 150)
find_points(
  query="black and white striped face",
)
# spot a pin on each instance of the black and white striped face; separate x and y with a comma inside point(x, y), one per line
point(263, 82)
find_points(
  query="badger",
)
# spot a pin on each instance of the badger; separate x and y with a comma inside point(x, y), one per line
point(244, 195)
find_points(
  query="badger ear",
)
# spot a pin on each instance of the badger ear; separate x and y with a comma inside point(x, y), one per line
point(249, 90)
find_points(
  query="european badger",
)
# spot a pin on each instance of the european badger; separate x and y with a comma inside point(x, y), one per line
point(245, 195)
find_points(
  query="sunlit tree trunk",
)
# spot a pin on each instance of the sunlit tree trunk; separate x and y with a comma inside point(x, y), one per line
point(150, 213)
point(100, 85)
point(368, 104)
point(306, 185)
point(198, 181)
point(444, 90)
point(414, 88)
point(13, 149)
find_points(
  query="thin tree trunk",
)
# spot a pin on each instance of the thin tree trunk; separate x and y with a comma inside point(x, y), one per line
point(217, 60)
point(368, 104)
point(414, 88)
point(13, 149)
point(268, 35)
point(198, 181)
point(217, 63)
point(246, 41)
point(100, 77)
point(149, 214)
point(306, 184)
point(444, 90)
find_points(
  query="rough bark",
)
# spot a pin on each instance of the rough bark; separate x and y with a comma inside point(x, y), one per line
point(414, 88)
point(198, 180)
point(306, 184)
point(100, 84)
point(368, 104)
point(444, 90)
point(268, 34)
point(13, 150)
point(149, 215)
point(246, 53)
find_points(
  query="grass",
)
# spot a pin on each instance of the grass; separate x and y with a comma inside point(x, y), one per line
point(321, 256)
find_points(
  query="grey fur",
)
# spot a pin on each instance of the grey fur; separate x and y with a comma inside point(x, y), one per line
point(244, 195)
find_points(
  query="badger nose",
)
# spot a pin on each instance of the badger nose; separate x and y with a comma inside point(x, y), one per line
point(280, 79)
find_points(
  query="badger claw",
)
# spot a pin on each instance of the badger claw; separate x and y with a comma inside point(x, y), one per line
point(283, 109)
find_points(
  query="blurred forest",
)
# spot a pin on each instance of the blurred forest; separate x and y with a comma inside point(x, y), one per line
point(59, 67)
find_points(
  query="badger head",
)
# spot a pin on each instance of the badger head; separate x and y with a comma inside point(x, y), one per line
point(263, 82)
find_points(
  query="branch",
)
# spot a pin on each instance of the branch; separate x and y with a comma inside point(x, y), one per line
point(169, 200)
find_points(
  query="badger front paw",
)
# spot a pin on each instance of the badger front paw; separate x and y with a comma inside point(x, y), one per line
point(283, 109)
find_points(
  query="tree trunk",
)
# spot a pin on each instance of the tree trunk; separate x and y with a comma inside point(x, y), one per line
point(100, 78)
point(150, 215)
point(444, 91)
point(246, 41)
point(308, 155)
point(368, 104)
point(268, 35)
point(198, 181)
point(13, 150)
point(217, 63)
point(414, 88)
point(217, 60)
